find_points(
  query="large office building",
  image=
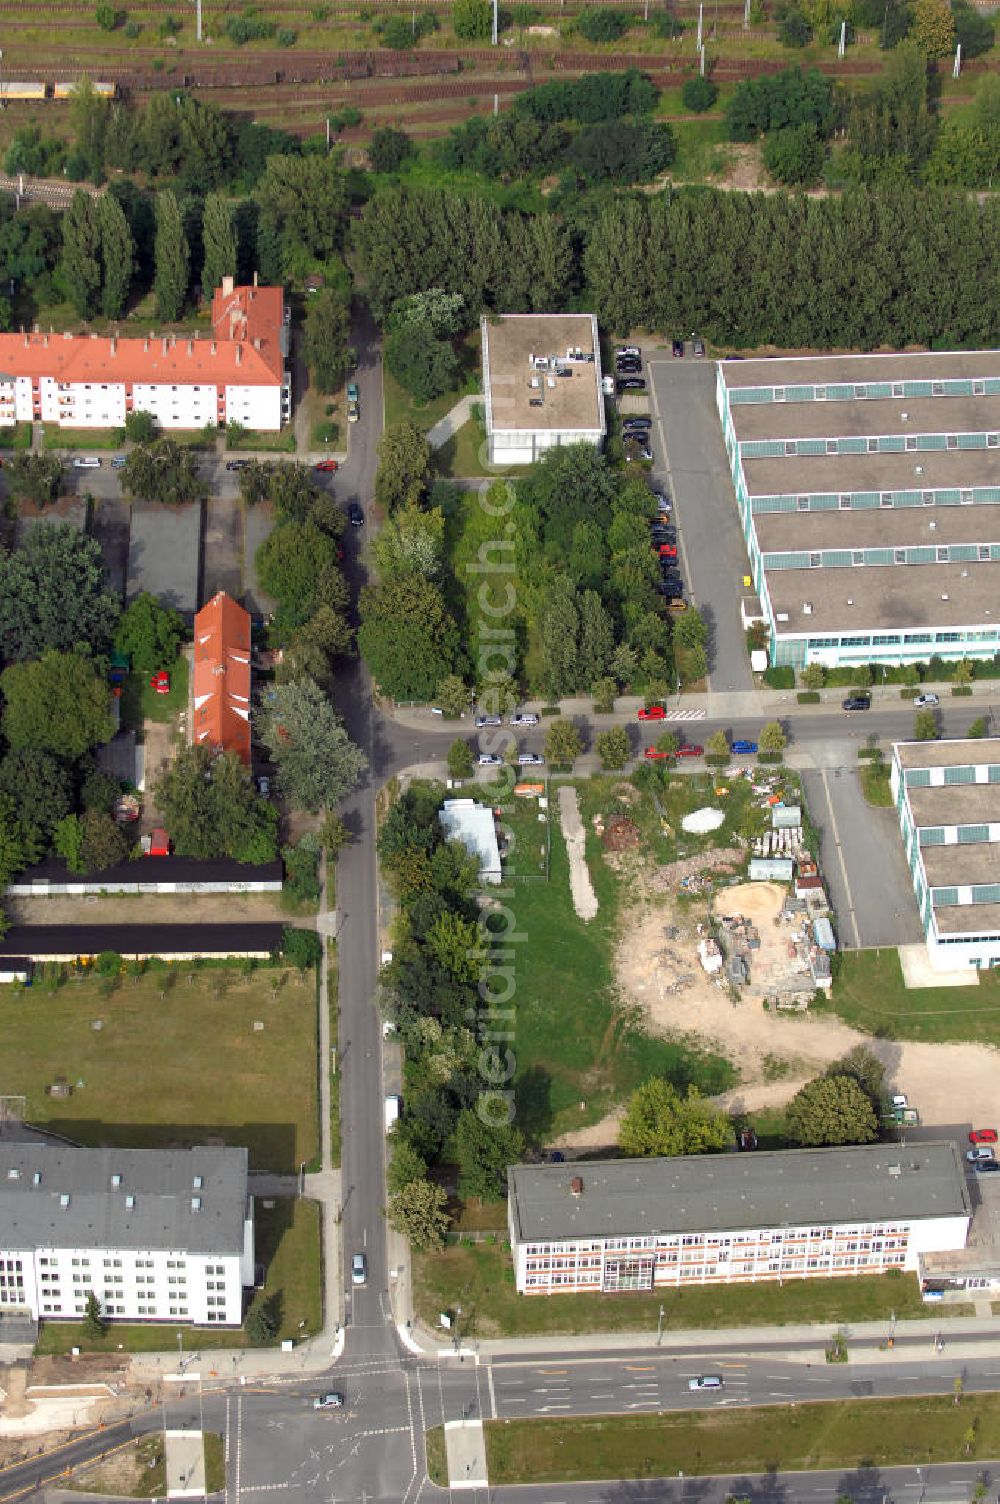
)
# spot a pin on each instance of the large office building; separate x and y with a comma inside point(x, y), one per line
point(542, 381)
point(234, 373)
point(869, 495)
point(155, 1234)
point(644, 1224)
point(947, 796)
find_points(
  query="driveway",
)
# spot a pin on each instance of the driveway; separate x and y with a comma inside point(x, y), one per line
point(222, 562)
point(165, 554)
point(691, 460)
point(109, 524)
point(861, 858)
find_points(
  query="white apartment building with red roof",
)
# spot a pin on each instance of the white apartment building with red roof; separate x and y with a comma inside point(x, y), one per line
point(237, 372)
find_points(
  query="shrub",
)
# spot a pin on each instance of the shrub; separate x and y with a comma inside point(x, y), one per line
point(249, 28)
point(699, 94)
point(169, 26)
point(794, 154)
point(780, 678)
point(286, 37)
point(601, 25)
point(667, 26)
point(389, 149)
point(793, 29)
point(399, 33)
point(132, 30)
point(106, 17)
point(320, 13)
point(472, 20)
point(808, 697)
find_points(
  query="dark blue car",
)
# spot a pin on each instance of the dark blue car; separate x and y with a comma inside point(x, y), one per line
point(743, 747)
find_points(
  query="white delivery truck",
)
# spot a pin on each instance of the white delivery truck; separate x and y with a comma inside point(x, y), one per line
point(393, 1108)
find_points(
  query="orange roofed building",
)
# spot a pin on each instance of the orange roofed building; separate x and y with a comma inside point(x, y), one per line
point(222, 677)
point(234, 374)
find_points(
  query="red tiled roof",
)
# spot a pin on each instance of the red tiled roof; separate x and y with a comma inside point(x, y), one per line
point(245, 349)
point(222, 677)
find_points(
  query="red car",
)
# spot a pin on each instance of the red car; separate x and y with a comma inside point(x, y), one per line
point(653, 713)
point(654, 752)
point(160, 682)
point(983, 1136)
point(690, 749)
point(328, 465)
point(668, 550)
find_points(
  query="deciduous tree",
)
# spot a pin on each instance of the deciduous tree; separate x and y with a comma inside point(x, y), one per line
point(57, 703)
point(659, 1121)
point(102, 842)
point(563, 744)
point(485, 1151)
point(613, 747)
point(117, 253)
point(933, 28)
point(173, 258)
point(150, 634)
point(81, 259)
point(328, 336)
point(865, 1068)
point(218, 233)
point(162, 471)
point(35, 795)
point(417, 1211)
point(317, 762)
point(460, 759)
point(34, 477)
point(772, 737)
point(408, 637)
point(211, 808)
point(831, 1110)
point(403, 466)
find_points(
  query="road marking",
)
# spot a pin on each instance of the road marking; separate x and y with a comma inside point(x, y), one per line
point(553, 1370)
point(840, 856)
point(635, 1368)
point(239, 1448)
point(493, 1398)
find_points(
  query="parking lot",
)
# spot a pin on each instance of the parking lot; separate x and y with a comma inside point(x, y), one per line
point(690, 461)
point(165, 553)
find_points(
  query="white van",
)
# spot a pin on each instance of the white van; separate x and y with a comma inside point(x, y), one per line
point(393, 1108)
point(87, 462)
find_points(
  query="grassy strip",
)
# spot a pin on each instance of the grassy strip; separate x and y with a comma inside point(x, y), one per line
point(17, 436)
point(335, 1137)
point(868, 992)
point(282, 442)
point(480, 1279)
point(437, 1457)
point(840, 1434)
point(215, 1463)
point(81, 438)
point(287, 1243)
point(875, 783)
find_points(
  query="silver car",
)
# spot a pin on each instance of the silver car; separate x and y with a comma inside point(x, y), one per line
point(530, 760)
point(524, 718)
point(489, 760)
point(359, 1269)
point(487, 720)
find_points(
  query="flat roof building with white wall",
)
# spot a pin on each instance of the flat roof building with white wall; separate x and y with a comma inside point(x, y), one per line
point(542, 383)
point(947, 797)
point(155, 1234)
point(644, 1224)
point(475, 825)
point(868, 494)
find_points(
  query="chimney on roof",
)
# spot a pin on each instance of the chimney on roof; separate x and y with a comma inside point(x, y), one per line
point(576, 1185)
point(114, 344)
point(145, 346)
point(239, 353)
point(45, 341)
point(166, 344)
point(256, 344)
point(190, 346)
point(227, 287)
point(27, 340)
point(255, 279)
point(213, 347)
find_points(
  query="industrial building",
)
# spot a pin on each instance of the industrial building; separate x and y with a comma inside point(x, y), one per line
point(868, 494)
point(542, 381)
point(236, 374)
point(644, 1224)
point(947, 796)
point(154, 1234)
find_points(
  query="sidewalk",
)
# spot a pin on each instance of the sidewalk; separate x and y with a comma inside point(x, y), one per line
point(447, 427)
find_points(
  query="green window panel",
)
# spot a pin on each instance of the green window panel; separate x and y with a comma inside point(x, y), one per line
point(993, 773)
point(812, 446)
point(931, 441)
point(944, 898)
point(824, 503)
point(836, 558)
point(891, 443)
point(959, 552)
point(885, 639)
point(762, 449)
point(965, 774)
point(907, 499)
point(918, 778)
point(969, 835)
point(800, 393)
point(992, 384)
point(972, 441)
point(761, 505)
point(931, 835)
point(864, 501)
point(841, 393)
point(916, 389)
point(986, 893)
point(741, 396)
point(786, 561)
point(920, 555)
point(852, 446)
point(879, 556)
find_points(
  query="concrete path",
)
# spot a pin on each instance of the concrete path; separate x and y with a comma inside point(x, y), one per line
point(447, 427)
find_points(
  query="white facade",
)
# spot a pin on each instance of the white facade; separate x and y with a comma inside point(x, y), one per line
point(542, 384)
point(80, 1221)
point(474, 825)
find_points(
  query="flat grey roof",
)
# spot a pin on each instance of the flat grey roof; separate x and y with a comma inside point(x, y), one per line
point(968, 919)
point(916, 365)
point(831, 474)
point(97, 1215)
point(959, 751)
point(886, 597)
point(573, 402)
point(877, 527)
point(828, 420)
point(955, 804)
point(715, 1192)
point(956, 866)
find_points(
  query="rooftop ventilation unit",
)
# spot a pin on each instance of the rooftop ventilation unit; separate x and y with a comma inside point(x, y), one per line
point(116, 1181)
point(944, 597)
point(64, 1199)
point(807, 609)
point(196, 1203)
point(130, 1201)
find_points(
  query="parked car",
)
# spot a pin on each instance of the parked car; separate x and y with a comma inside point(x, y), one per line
point(237, 464)
point(690, 749)
point(359, 1269)
point(743, 748)
point(489, 760)
point(637, 420)
point(631, 384)
point(983, 1136)
point(981, 1152)
point(87, 462)
point(488, 720)
point(334, 1400)
point(355, 515)
point(706, 1381)
point(654, 754)
point(677, 348)
point(678, 604)
point(642, 453)
point(118, 461)
point(697, 347)
point(353, 412)
point(986, 1166)
point(160, 683)
point(858, 702)
point(264, 786)
point(671, 589)
point(663, 503)
point(352, 391)
point(327, 466)
point(628, 350)
point(926, 702)
point(652, 713)
point(530, 760)
point(667, 550)
point(524, 718)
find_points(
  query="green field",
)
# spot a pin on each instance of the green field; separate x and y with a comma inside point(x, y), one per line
point(288, 1244)
point(868, 992)
point(140, 701)
point(176, 1060)
point(844, 1434)
point(480, 1279)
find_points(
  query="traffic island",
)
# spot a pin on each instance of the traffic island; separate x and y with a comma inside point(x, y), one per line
point(465, 1450)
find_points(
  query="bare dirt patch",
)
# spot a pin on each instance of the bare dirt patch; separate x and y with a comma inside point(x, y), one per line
point(149, 908)
point(581, 887)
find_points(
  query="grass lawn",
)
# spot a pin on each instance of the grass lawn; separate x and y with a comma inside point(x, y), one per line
point(141, 702)
point(843, 1434)
point(177, 1060)
point(868, 992)
point(282, 442)
point(465, 455)
point(874, 773)
point(480, 1279)
point(17, 436)
point(287, 1244)
point(81, 438)
point(399, 405)
point(335, 1141)
point(437, 1457)
point(215, 1463)
point(703, 150)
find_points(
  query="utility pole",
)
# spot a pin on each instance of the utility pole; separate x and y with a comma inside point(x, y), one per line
point(496, 22)
point(659, 1327)
point(956, 70)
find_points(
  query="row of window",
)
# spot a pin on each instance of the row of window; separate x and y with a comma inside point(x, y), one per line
point(921, 778)
point(950, 898)
point(887, 443)
point(867, 501)
point(641, 1277)
point(864, 391)
point(839, 558)
point(851, 1236)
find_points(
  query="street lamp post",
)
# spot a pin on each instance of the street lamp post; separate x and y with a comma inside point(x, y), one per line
point(659, 1327)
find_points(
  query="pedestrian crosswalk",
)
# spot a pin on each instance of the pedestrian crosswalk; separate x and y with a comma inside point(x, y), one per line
point(685, 715)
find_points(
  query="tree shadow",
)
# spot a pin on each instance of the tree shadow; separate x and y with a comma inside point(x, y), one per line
point(533, 1102)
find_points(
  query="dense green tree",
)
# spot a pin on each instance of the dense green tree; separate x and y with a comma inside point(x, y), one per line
point(81, 259)
point(485, 1151)
point(305, 199)
point(388, 149)
point(211, 808)
point(297, 564)
point(327, 337)
point(140, 426)
point(103, 843)
point(452, 696)
point(699, 94)
point(417, 1211)
point(423, 364)
point(403, 466)
point(404, 1167)
point(57, 703)
point(794, 154)
point(933, 29)
point(974, 31)
point(472, 20)
point(563, 743)
point(866, 1069)
point(560, 631)
point(94, 1323)
point(150, 633)
point(772, 737)
point(163, 471)
point(613, 747)
point(35, 795)
point(317, 762)
point(596, 641)
point(411, 539)
point(591, 97)
point(33, 477)
point(117, 255)
point(407, 637)
point(831, 1110)
point(925, 726)
point(67, 842)
point(219, 241)
point(301, 948)
point(173, 258)
point(53, 594)
point(460, 759)
point(621, 152)
point(659, 1121)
